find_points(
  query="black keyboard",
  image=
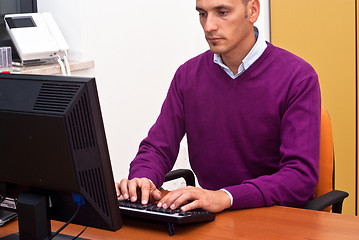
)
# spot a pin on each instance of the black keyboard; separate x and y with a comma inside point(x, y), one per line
point(152, 212)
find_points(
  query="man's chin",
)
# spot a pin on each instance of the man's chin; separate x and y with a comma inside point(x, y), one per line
point(215, 50)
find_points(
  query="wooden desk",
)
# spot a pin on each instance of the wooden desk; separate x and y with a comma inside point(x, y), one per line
point(262, 223)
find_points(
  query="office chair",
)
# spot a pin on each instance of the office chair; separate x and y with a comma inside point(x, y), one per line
point(326, 198)
point(325, 195)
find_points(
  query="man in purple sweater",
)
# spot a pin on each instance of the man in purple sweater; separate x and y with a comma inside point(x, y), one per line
point(251, 113)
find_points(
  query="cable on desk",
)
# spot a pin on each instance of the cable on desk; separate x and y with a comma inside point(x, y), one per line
point(66, 224)
point(78, 235)
point(67, 65)
point(62, 66)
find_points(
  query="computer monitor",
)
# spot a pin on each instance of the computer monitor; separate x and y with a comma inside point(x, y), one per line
point(53, 146)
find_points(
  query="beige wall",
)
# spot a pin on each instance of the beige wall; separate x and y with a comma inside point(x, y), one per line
point(323, 33)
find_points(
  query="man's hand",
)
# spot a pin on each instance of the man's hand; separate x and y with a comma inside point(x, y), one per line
point(128, 190)
point(193, 197)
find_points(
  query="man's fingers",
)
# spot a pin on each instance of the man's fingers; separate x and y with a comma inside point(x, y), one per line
point(188, 198)
point(145, 186)
point(124, 189)
point(132, 189)
point(192, 205)
point(176, 198)
point(117, 188)
point(156, 194)
point(138, 189)
point(184, 198)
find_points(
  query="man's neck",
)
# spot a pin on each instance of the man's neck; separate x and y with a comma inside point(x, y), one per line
point(234, 58)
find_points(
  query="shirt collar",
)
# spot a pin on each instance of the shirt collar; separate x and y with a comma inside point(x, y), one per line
point(251, 57)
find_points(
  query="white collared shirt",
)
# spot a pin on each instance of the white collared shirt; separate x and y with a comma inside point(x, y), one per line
point(252, 56)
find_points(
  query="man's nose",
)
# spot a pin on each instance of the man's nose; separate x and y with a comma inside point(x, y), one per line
point(210, 24)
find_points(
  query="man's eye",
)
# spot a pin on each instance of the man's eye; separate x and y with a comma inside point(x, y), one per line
point(202, 14)
point(223, 13)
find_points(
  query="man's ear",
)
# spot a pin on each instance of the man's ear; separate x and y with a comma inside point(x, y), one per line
point(253, 9)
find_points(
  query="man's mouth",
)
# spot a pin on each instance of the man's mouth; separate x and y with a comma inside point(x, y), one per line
point(214, 39)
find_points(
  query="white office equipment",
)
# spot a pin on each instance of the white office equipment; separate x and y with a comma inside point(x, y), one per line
point(36, 37)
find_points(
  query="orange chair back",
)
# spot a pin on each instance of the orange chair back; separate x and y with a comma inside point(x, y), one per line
point(326, 157)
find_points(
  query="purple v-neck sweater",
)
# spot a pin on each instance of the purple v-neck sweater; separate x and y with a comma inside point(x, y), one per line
point(256, 136)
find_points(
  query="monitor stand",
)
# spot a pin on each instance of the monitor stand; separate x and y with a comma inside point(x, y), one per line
point(33, 220)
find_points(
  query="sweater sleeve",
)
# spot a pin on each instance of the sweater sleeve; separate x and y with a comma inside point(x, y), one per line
point(293, 184)
point(158, 151)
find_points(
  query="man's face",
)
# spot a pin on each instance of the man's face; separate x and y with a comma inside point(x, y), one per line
point(226, 24)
